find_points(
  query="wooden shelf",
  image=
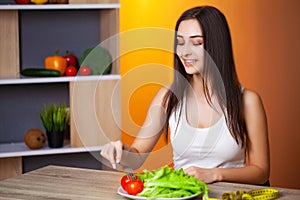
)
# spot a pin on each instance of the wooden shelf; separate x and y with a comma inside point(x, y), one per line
point(11, 81)
point(8, 150)
point(60, 6)
point(98, 121)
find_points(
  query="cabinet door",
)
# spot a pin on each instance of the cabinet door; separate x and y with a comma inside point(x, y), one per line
point(95, 105)
point(9, 44)
point(95, 112)
point(10, 167)
point(109, 28)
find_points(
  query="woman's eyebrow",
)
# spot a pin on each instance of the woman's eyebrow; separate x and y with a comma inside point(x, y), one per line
point(193, 36)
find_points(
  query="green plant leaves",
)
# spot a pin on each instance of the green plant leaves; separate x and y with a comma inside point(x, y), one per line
point(55, 117)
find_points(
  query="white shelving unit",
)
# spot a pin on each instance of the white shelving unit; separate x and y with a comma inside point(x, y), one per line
point(60, 6)
point(9, 150)
point(18, 149)
point(13, 81)
point(11, 153)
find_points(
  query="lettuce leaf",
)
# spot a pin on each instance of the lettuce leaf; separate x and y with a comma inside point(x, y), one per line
point(168, 183)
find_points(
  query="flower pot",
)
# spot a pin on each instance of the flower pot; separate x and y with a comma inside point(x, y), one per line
point(55, 139)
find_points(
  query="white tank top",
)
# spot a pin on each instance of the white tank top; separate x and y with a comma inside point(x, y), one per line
point(203, 147)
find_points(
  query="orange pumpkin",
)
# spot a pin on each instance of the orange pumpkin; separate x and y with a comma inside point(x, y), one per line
point(35, 138)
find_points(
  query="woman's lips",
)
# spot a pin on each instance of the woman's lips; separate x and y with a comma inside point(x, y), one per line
point(188, 62)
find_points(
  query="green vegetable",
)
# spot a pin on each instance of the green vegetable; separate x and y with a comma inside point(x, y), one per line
point(34, 72)
point(97, 59)
point(168, 183)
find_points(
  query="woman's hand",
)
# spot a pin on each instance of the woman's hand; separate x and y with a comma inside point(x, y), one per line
point(112, 151)
point(205, 175)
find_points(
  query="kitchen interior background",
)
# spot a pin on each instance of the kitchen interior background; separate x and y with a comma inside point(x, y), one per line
point(266, 46)
point(266, 50)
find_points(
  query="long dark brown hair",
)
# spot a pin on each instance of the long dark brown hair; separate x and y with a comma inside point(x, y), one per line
point(217, 44)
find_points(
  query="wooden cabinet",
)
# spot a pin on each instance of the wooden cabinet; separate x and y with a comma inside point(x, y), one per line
point(93, 100)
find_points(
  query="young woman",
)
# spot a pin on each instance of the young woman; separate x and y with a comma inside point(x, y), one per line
point(218, 129)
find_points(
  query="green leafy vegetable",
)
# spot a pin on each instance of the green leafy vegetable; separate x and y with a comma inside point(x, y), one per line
point(97, 59)
point(168, 183)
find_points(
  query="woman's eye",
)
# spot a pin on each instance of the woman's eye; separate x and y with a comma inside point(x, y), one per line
point(197, 44)
point(180, 41)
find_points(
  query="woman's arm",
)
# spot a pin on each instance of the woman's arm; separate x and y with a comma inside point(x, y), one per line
point(134, 156)
point(257, 168)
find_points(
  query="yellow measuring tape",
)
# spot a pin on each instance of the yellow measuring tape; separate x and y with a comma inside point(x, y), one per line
point(259, 194)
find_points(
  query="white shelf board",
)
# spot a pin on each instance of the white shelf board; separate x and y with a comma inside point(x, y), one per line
point(59, 6)
point(8, 150)
point(11, 81)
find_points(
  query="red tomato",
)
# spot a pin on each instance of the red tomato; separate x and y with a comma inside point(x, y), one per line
point(71, 71)
point(85, 70)
point(124, 181)
point(134, 187)
point(22, 1)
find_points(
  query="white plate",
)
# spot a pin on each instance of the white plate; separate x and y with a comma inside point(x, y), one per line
point(125, 194)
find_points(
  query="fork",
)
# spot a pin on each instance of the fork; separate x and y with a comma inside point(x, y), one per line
point(129, 172)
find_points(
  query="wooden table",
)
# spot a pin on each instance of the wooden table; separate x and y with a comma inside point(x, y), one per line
point(54, 182)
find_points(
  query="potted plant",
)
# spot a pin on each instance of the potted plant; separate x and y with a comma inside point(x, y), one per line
point(55, 118)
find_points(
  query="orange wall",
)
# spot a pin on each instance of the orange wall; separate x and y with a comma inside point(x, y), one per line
point(267, 52)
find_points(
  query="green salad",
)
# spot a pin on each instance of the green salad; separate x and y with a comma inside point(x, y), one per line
point(168, 183)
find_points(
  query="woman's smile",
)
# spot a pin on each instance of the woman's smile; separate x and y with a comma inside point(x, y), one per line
point(189, 62)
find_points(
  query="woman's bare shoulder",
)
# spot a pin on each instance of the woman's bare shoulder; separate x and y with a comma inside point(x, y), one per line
point(161, 93)
point(252, 99)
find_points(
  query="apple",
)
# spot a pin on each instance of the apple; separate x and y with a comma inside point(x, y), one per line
point(22, 1)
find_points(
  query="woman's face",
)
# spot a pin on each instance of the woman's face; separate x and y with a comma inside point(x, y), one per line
point(190, 46)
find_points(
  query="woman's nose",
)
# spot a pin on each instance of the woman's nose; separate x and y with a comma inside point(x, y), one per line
point(186, 50)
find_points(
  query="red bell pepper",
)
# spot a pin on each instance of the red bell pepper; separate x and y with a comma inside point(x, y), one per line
point(71, 59)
